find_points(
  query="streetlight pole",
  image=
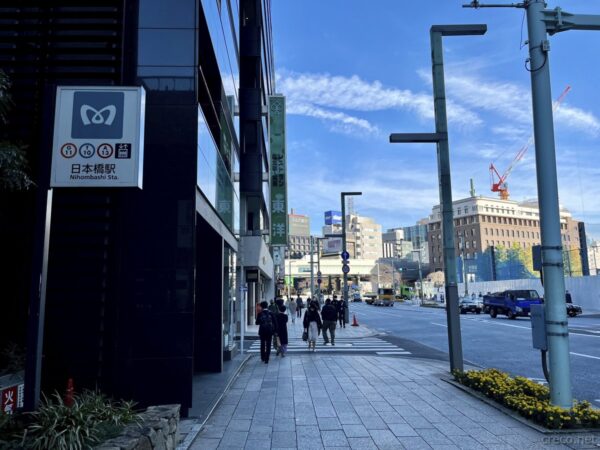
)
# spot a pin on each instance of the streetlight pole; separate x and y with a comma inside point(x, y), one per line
point(420, 275)
point(343, 196)
point(540, 22)
point(312, 272)
point(440, 137)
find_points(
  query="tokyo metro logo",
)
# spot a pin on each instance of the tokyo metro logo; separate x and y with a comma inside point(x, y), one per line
point(97, 115)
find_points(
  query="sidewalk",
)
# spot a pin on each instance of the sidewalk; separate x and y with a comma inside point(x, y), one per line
point(321, 401)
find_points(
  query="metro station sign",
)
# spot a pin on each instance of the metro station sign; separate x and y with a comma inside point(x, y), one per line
point(98, 136)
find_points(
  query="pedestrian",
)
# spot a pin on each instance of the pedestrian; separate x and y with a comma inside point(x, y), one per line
point(342, 313)
point(329, 315)
point(335, 302)
point(267, 328)
point(299, 305)
point(292, 307)
point(273, 307)
point(312, 325)
point(568, 297)
point(282, 334)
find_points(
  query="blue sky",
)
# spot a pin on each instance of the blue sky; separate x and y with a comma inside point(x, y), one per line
point(355, 71)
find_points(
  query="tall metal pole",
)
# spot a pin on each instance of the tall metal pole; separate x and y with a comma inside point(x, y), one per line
point(545, 157)
point(312, 271)
point(421, 277)
point(344, 249)
point(443, 154)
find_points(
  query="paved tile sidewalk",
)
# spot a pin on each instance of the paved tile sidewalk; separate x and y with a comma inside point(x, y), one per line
point(361, 402)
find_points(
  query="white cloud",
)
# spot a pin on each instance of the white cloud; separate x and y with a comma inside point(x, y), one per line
point(577, 118)
point(340, 121)
point(320, 95)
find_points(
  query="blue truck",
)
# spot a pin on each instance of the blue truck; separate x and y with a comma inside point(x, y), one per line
point(511, 303)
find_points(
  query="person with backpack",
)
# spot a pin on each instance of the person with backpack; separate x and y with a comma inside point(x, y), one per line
point(282, 334)
point(312, 324)
point(267, 327)
point(329, 315)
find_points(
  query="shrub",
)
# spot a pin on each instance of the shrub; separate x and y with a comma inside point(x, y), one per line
point(529, 399)
point(90, 420)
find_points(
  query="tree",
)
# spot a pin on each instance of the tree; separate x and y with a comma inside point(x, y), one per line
point(13, 156)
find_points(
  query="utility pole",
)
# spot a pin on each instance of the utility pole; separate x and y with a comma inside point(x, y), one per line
point(312, 271)
point(343, 196)
point(464, 265)
point(540, 22)
point(440, 137)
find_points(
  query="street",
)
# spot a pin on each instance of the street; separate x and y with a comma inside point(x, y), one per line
point(500, 343)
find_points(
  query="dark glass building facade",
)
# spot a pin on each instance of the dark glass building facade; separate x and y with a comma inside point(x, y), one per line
point(142, 284)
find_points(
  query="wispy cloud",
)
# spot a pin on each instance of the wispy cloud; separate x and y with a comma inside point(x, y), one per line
point(323, 95)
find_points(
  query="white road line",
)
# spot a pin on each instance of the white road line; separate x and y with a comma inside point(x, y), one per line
point(439, 324)
point(585, 356)
point(327, 349)
point(394, 353)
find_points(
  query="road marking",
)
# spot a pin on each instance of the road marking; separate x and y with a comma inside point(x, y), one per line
point(393, 353)
point(439, 324)
point(585, 356)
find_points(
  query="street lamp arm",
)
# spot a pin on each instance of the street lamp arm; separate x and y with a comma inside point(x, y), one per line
point(558, 20)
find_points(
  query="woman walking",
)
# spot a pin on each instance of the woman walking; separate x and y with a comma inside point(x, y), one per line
point(282, 334)
point(292, 308)
point(312, 324)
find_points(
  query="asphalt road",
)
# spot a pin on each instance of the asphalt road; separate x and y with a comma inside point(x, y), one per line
point(500, 343)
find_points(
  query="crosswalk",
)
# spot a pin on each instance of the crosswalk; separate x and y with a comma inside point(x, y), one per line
point(369, 345)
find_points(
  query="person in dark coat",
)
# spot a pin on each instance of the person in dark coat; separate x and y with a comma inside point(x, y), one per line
point(282, 320)
point(312, 324)
point(299, 306)
point(329, 315)
point(267, 327)
point(342, 313)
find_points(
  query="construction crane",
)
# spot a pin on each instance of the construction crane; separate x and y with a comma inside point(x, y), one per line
point(501, 186)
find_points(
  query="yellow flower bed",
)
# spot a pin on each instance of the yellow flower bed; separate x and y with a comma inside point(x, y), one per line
point(529, 399)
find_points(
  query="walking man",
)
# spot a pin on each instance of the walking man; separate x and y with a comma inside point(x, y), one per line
point(329, 315)
point(342, 312)
point(299, 305)
point(267, 327)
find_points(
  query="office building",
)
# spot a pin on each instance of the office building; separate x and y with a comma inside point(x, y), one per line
point(482, 222)
point(395, 245)
point(143, 285)
point(366, 234)
point(299, 235)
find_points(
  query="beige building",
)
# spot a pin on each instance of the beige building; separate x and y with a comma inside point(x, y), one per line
point(395, 245)
point(594, 257)
point(481, 222)
point(366, 234)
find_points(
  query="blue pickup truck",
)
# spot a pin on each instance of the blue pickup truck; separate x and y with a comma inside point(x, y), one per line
point(511, 303)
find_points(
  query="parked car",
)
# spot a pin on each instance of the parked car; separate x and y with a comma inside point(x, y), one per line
point(470, 305)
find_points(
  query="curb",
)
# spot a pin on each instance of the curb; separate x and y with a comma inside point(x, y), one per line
point(193, 434)
point(513, 414)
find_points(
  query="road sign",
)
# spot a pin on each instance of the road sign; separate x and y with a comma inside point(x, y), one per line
point(345, 254)
point(319, 281)
point(319, 274)
point(345, 268)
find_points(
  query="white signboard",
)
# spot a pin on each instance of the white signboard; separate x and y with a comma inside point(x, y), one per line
point(332, 245)
point(98, 136)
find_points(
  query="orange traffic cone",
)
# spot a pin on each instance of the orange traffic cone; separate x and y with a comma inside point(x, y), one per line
point(354, 321)
point(70, 393)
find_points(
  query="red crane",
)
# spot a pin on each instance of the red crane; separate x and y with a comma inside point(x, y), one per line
point(501, 186)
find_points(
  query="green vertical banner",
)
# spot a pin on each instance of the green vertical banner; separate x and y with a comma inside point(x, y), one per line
point(278, 170)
